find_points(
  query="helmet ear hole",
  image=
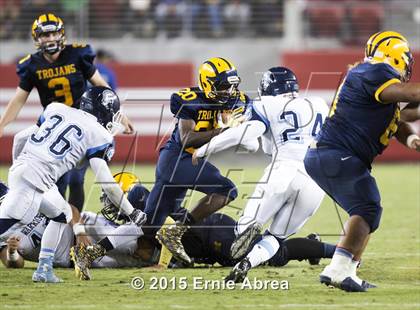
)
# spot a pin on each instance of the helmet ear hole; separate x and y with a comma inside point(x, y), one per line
point(396, 61)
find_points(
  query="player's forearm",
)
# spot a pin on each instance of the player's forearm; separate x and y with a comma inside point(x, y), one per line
point(404, 131)
point(12, 260)
point(411, 112)
point(245, 134)
point(20, 263)
point(197, 139)
point(108, 184)
point(98, 80)
point(13, 108)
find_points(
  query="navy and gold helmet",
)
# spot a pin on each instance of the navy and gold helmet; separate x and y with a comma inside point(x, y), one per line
point(218, 79)
point(47, 23)
point(278, 80)
point(392, 48)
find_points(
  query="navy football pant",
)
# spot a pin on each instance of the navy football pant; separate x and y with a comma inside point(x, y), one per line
point(175, 174)
point(75, 180)
point(344, 177)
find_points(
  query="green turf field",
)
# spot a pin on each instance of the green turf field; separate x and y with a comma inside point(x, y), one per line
point(392, 261)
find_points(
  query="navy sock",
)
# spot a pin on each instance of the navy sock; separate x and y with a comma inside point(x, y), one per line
point(329, 250)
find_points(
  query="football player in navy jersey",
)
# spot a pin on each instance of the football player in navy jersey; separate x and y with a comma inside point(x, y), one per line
point(59, 72)
point(365, 114)
point(197, 110)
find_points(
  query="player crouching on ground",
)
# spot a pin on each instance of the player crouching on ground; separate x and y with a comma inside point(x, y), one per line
point(66, 137)
point(112, 230)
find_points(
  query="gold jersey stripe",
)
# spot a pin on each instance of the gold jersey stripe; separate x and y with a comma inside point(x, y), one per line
point(383, 86)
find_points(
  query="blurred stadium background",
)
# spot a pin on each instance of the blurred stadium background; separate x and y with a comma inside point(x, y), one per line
point(154, 47)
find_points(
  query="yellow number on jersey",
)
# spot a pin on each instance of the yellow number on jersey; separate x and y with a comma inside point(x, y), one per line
point(391, 129)
point(187, 94)
point(78, 45)
point(63, 91)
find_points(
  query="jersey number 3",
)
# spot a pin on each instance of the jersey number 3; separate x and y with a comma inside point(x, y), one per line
point(62, 89)
point(61, 145)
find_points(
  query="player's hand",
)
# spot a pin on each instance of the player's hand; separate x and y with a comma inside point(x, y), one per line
point(13, 244)
point(83, 239)
point(128, 125)
point(195, 158)
point(415, 145)
point(227, 119)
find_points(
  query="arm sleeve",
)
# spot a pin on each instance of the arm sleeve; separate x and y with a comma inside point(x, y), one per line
point(245, 134)
point(376, 80)
point(108, 184)
point(87, 55)
point(179, 110)
point(25, 79)
point(104, 151)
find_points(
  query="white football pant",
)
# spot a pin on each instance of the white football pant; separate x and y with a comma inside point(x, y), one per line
point(286, 194)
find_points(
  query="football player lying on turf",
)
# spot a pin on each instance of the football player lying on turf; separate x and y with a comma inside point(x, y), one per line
point(25, 243)
point(287, 125)
point(66, 137)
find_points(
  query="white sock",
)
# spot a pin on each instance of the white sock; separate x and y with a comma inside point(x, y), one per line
point(50, 239)
point(353, 267)
point(124, 234)
point(341, 259)
point(263, 250)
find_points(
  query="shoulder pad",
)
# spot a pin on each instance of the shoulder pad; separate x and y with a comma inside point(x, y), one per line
point(24, 59)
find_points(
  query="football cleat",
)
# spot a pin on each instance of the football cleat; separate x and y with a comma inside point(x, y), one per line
point(314, 236)
point(340, 279)
point(45, 273)
point(170, 236)
point(242, 242)
point(138, 217)
point(83, 256)
point(239, 272)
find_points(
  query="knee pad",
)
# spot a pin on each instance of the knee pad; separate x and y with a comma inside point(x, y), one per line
point(370, 213)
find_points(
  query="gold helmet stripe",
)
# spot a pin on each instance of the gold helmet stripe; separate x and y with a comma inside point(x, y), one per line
point(43, 18)
point(383, 40)
point(370, 43)
point(227, 62)
point(212, 66)
point(51, 17)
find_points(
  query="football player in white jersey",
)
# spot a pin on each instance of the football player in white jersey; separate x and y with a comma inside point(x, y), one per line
point(287, 125)
point(66, 137)
point(25, 244)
